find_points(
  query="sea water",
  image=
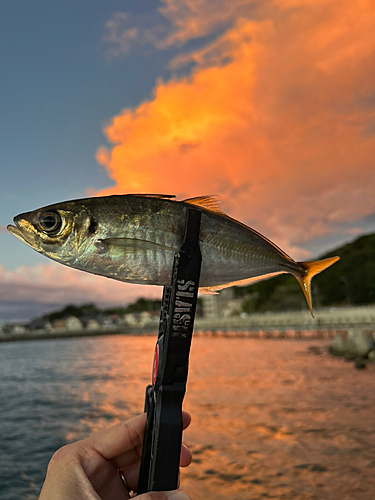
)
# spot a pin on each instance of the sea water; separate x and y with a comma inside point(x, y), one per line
point(270, 419)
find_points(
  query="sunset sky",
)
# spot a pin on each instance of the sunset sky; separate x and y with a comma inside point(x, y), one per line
point(269, 104)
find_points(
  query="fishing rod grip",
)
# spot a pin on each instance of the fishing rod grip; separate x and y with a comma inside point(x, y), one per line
point(163, 434)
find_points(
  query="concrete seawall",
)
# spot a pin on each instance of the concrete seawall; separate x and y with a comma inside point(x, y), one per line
point(271, 333)
point(331, 318)
point(288, 325)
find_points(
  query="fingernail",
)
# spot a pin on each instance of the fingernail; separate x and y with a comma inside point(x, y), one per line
point(177, 495)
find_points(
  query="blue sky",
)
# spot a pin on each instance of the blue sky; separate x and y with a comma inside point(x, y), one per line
point(59, 86)
point(267, 104)
point(57, 90)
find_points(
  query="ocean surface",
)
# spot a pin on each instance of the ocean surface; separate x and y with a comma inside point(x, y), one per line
point(270, 418)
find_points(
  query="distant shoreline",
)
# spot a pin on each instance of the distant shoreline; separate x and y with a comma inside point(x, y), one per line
point(21, 337)
point(286, 325)
point(265, 334)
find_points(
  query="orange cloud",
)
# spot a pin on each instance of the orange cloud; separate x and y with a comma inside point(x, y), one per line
point(277, 117)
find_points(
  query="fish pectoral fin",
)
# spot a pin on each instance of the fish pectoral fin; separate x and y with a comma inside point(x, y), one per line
point(213, 290)
point(132, 245)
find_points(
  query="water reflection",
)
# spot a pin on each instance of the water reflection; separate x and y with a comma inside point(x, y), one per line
point(269, 419)
point(272, 421)
point(117, 370)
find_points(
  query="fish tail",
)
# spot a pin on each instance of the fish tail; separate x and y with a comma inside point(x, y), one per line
point(310, 270)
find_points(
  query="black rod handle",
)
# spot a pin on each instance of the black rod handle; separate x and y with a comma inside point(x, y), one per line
point(163, 434)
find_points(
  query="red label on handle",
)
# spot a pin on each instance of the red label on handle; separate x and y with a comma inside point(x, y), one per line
point(155, 364)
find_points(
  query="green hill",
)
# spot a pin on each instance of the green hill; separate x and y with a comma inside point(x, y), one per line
point(349, 281)
point(352, 279)
point(92, 311)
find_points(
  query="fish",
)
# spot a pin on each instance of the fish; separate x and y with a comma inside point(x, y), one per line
point(134, 237)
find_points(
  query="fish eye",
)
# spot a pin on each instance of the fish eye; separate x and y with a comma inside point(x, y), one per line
point(50, 222)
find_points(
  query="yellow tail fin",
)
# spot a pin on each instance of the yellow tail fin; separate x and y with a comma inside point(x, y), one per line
point(311, 269)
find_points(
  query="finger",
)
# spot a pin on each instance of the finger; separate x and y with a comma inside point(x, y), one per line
point(123, 442)
point(119, 439)
point(185, 457)
point(164, 495)
point(131, 461)
point(132, 456)
point(186, 419)
point(131, 472)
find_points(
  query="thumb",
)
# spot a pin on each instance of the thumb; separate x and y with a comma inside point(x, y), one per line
point(164, 495)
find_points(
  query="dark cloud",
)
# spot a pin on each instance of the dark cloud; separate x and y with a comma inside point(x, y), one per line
point(22, 311)
point(27, 290)
point(349, 231)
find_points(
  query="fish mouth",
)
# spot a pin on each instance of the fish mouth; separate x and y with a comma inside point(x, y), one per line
point(16, 230)
point(22, 230)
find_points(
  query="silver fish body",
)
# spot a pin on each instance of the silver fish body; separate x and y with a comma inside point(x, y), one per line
point(133, 238)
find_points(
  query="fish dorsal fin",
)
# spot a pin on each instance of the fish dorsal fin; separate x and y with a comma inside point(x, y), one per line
point(211, 203)
point(159, 196)
point(212, 290)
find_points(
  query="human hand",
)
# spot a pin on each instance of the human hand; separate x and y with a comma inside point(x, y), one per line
point(89, 469)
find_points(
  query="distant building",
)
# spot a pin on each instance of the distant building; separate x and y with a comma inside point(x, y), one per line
point(69, 324)
point(58, 325)
point(221, 305)
point(149, 316)
point(92, 324)
point(73, 324)
point(132, 319)
point(107, 323)
point(13, 329)
point(140, 319)
point(39, 324)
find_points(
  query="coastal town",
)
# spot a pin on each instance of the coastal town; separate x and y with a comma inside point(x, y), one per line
point(216, 314)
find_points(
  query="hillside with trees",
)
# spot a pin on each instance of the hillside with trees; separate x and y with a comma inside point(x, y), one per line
point(350, 281)
point(92, 311)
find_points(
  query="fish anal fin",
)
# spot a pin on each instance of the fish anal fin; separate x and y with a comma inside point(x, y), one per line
point(131, 245)
point(211, 203)
point(212, 290)
point(312, 269)
point(207, 291)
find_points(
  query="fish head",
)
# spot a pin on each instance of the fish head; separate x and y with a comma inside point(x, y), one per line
point(61, 232)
